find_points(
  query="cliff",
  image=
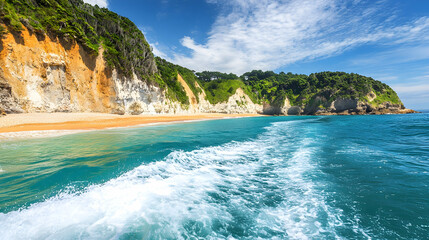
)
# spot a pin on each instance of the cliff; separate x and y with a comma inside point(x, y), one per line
point(46, 76)
point(325, 93)
point(68, 56)
point(339, 106)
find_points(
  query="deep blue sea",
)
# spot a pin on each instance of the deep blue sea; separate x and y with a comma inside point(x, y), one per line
point(323, 177)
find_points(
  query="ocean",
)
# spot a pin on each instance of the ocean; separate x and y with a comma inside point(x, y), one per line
point(307, 177)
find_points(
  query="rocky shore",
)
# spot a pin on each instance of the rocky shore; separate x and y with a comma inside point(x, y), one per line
point(340, 106)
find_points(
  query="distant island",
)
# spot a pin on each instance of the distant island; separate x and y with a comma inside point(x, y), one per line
point(69, 56)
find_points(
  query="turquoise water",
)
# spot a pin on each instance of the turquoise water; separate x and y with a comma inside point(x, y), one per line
point(330, 177)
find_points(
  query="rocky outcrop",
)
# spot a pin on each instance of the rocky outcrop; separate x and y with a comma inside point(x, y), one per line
point(239, 102)
point(341, 106)
point(319, 105)
point(8, 103)
point(284, 108)
point(356, 107)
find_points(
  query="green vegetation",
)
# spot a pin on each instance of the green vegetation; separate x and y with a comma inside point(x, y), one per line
point(300, 89)
point(207, 76)
point(175, 90)
point(386, 95)
point(169, 77)
point(190, 79)
point(220, 90)
point(2, 31)
point(125, 46)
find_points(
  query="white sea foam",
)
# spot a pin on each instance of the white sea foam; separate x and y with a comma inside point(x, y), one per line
point(255, 189)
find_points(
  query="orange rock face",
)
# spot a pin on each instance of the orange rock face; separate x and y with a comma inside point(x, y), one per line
point(43, 74)
point(47, 76)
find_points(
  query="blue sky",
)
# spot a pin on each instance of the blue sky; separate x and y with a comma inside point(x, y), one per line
point(384, 39)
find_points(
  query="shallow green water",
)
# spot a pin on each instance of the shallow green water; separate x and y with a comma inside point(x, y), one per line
point(347, 177)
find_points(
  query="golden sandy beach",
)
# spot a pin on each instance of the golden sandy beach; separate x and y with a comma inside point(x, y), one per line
point(49, 122)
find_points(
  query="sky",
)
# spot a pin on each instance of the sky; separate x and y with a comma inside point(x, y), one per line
point(384, 39)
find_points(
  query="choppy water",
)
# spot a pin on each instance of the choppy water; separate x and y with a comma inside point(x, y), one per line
point(334, 177)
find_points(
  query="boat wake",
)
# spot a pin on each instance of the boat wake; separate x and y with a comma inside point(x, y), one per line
point(268, 187)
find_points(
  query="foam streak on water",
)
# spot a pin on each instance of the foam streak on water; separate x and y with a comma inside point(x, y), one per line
point(334, 177)
point(246, 190)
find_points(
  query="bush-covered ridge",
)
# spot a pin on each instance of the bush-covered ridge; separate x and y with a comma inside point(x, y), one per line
point(273, 88)
point(220, 90)
point(217, 90)
point(300, 89)
point(125, 46)
point(168, 73)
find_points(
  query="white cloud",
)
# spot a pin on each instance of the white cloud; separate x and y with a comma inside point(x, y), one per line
point(385, 78)
point(157, 51)
point(268, 34)
point(395, 56)
point(418, 86)
point(100, 3)
point(413, 89)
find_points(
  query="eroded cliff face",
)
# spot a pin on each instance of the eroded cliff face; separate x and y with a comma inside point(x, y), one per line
point(47, 75)
point(340, 106)
point(44, 76)
point(238, 103)
point(50, 75)
point(346, 106)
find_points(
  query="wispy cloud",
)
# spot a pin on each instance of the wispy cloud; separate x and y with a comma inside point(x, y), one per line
point(385, 78)
point(395, 56)
point(156, 49)
point(413, 89)
point(268, 34)
point(418, 85)
point(100, 3)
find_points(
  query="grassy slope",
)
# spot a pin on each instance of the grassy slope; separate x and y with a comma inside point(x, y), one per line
point(220, 90)
point(168, 72)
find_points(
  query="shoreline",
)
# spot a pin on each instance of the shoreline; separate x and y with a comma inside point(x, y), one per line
point(40, 125)
point(35, 125)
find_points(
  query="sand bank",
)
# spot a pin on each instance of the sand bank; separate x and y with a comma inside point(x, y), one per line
point(54, 124)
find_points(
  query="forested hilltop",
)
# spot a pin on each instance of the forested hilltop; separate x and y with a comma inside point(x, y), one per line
point(125, 51)
point(313, 93)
